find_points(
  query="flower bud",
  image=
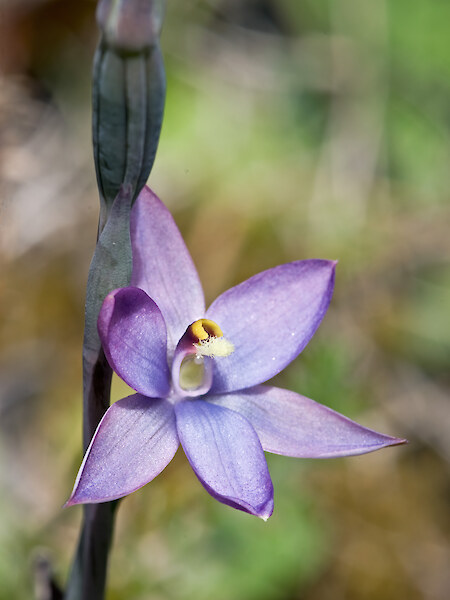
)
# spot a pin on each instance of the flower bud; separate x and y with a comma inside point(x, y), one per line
point(128, 95)
point(130, 25)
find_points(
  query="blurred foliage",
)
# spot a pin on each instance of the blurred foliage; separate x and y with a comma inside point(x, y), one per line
point(292, 130)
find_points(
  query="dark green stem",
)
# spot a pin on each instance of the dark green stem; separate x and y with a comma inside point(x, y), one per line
point(110, 269)
point(128, 104)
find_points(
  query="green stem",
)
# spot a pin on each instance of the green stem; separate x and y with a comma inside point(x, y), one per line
point(110, 269)
point(128, 104)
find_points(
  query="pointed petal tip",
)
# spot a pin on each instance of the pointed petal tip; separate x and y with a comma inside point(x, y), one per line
point(263, 511)
point(267, 511)
point(332, 265)
point(72, 501)
point(398, 442)
point(80, 496)
point(385, 441)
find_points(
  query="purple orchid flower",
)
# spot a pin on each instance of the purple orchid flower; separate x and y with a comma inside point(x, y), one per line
point(201, 387)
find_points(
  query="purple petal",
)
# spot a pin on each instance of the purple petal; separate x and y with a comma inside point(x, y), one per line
point(270, 318)
point(163, 267)
point(226, 455)
point(134, 441)
point(293, 425)
point(133, 334)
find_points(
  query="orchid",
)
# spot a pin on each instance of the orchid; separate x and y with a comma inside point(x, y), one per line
point(197, 374)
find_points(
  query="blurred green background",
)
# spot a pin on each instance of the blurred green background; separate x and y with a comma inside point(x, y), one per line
point(293, 129)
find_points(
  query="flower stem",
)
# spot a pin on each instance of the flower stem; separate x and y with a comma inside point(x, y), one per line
point(110, 269)
point(128, 104)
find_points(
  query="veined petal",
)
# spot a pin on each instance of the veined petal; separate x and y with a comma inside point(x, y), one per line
point(133, 334)
point(270, 318)
point(290, 424)
point(134, 442)
point(226, 455)
point(163, 267)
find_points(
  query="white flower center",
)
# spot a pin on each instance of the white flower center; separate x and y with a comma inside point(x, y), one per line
point(214, 346)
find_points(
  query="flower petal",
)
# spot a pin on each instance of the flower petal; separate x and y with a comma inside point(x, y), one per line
point(163, 267)
point(290, 424)
point(270, 318)
point(226, 455)
point(134, 441)
point(133, 334)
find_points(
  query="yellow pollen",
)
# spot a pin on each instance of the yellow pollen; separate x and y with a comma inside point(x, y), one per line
point(209, 340)
point(205, 328)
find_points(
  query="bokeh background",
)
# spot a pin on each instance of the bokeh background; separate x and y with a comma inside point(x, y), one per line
point(293, 129)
